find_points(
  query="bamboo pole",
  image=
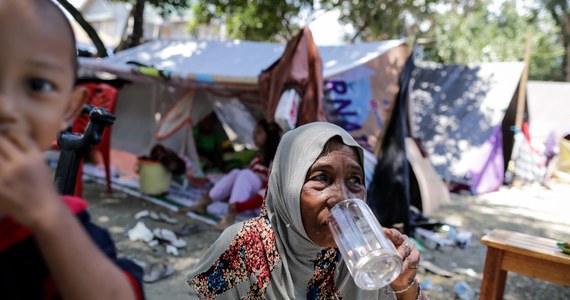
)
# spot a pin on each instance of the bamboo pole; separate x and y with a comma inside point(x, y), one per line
point(522, 84)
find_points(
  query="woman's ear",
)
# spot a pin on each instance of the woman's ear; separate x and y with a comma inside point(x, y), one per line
point(79, 97)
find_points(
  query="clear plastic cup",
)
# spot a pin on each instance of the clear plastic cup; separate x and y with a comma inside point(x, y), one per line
point(370, 256)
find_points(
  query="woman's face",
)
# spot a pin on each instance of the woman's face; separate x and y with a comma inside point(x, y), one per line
point(336, 175)
point(259, 136)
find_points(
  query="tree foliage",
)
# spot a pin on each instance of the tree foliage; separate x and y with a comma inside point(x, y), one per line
point(165, 8)
point(256, 20)
point(464, 31)
point(490, 36)
point(384, 19)
point(560, 13)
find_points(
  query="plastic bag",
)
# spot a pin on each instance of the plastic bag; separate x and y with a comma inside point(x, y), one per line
point(287, 109)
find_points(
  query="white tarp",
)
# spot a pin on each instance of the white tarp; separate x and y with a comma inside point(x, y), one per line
point(549, 108)
point(217, 72)
point(233, 62)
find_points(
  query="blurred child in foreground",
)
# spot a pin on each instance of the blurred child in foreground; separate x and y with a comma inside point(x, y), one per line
point(49, 249)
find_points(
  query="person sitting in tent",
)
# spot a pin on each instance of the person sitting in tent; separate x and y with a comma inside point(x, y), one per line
point(209, 139)
point(243, 187)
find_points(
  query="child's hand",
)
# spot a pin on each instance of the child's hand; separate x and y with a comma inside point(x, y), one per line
point(27, 193)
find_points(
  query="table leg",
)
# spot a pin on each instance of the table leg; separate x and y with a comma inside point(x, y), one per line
point(494, 278)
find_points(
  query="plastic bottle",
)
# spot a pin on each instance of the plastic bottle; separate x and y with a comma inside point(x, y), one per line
point(463, 291)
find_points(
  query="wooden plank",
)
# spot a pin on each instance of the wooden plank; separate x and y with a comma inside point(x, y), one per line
point(537, 268)
point(494, 277)
point(532, 246)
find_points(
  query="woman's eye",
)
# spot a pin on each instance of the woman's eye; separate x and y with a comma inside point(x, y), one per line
point(321, 177)
point(356, 179)
point(39, 85)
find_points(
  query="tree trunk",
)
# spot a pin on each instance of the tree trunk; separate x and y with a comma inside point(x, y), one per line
point(565, 34)
point(566, 63)
point(136, 37)
point(559, 11)
point(101, 50)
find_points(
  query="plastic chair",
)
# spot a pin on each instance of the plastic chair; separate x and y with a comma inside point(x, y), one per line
point(104, 96)
point(74, 147)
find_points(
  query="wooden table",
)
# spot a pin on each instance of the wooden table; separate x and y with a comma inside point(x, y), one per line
point(524, 254)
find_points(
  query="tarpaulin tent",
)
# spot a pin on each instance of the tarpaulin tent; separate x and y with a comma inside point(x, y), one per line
point(549, 114)
point(563, 161)
point(464, 114)
point(548, 108)
point(361, 100)
point(176, 83)
point(182, 80)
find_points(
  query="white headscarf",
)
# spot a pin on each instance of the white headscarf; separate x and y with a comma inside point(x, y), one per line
point(293, 264)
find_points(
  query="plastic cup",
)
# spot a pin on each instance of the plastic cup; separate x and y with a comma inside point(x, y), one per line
point(370, 256)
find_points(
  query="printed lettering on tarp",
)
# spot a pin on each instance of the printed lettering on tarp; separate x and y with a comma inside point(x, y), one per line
point(349, 103)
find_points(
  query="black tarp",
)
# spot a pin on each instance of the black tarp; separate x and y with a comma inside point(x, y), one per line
point(456, 109)
point(389, 192)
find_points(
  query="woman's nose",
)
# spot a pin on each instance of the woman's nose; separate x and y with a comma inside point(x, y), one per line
point(340, 193)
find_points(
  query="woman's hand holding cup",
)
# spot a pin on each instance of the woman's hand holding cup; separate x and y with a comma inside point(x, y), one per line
point(406, 283)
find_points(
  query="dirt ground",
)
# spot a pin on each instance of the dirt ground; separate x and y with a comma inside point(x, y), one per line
point(530, 209)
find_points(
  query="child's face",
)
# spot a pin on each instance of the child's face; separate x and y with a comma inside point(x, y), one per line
point(259, 136)
point(37, 98)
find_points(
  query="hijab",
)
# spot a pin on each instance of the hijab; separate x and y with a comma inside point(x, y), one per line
point(271, 256)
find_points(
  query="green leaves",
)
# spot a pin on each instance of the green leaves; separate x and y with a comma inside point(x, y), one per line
point(464, 31)
point(257, 20)
point(165, 7)
point(485, 35)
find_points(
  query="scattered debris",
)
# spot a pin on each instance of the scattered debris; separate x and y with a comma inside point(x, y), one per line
point(469, 272)
point(429, 266)
point(431, 240)
point(443, 235)
point(140, 233)
point(428, 286)
point(187, 229)
point(463, 239)
point(463, 291)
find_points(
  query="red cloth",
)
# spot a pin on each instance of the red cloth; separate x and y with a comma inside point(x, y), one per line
point(301, 66)
point(257, 166)
point(254, 202)
point(12, 233)
point(135, 285)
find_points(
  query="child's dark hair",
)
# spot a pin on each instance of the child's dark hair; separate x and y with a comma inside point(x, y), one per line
point(273, 137)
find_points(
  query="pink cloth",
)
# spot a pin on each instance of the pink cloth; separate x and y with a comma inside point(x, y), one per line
point(239, 185)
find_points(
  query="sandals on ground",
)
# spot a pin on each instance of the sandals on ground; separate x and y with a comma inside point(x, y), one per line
point(157, 216)
point(169, 237)
point(157, 271)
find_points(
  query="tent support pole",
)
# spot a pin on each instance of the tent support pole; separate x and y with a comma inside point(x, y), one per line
point(522, 85)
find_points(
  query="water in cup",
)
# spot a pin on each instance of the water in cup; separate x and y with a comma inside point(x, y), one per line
point(370, 256)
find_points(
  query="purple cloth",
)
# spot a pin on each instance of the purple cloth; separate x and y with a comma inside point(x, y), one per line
point(487, 173)
point(550, 145)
